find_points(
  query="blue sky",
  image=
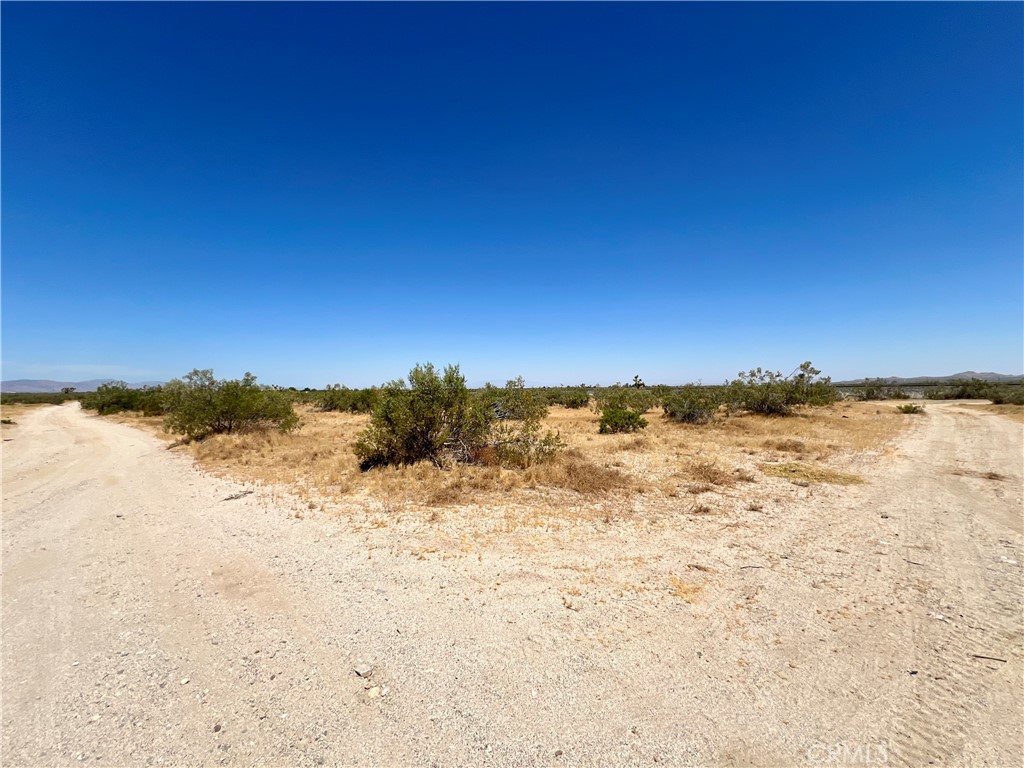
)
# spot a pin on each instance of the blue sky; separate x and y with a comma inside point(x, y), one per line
point(571, 192)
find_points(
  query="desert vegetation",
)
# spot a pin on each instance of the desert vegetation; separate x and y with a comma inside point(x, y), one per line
point(435, 418)
point(428, 442)
point(910, 408)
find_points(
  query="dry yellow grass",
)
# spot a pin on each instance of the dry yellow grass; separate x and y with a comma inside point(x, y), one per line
point(808, 474)
point(668, 460)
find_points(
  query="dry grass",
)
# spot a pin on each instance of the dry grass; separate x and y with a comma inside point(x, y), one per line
point(804, 473)
point(666, 461)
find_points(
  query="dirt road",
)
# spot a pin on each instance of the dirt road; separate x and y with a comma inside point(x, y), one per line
point(149, 621)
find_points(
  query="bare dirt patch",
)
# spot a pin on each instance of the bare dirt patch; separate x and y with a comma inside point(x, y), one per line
point(1007, 410)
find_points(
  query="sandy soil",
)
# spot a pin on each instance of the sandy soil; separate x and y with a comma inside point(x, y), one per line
point(147, 620)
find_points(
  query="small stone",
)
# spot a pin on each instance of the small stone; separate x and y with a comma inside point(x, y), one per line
point(74, 663)
point(216, 728)
point(363, 669)
point(373, 693)
point(184, 681)
point(559, 753)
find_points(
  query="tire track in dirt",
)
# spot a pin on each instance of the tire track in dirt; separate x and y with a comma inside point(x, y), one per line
point(965, 592)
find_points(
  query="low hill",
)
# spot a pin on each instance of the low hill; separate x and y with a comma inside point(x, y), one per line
point(35, 386)
point(962, 376)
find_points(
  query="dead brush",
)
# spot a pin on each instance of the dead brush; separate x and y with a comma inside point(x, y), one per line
point(573, 472)
point(709, 473)
point(702, 510)
point(788, 445)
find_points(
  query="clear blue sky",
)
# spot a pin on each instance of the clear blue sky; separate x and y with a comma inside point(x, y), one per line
point(571, 192)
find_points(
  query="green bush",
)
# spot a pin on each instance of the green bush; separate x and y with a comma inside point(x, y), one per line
point(616, 419)
point(338, 398)
point(975, 389)
point(435, 418)
point(1013, 395)
point(622, 408)
point(200, 405)
point(513, 402)
point(773, 394)
point(431, 419)
point(112, 397)
point(692, 405)
point(568, 397)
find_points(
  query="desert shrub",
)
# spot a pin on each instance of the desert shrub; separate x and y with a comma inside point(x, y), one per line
point(879, 389)
point(622, 409)
point(435, 418)
point(910, 408)
point(568, 397)
point(513, 402)
point(112, 397)
point(523, 445)
point(430, 419)
point(975, 389)
point(150, 400)
point(338, 398)
point(773, 394)
point(1013, 395)
point(199, 405)
point(615, 419)
point(692, 405)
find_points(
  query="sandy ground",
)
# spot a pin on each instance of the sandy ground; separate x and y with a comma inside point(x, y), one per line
point(149, 621)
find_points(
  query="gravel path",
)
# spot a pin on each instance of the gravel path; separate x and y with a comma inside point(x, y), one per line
point(149, 621)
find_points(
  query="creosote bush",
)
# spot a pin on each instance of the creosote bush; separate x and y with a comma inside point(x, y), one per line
point(1007, 395)
point(622, 409)
point(692, 405)
point(200, 405)
point(773, 394)
point(338, 398)
point(879, 389)
point(435, 418)
point(117, 396)
point(567, 397)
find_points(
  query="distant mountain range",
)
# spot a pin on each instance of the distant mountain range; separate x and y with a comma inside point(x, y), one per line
point(46, 385)
point(962, 376)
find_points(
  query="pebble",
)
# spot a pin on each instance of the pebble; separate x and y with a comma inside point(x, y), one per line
point(216, 728)
point(374, 692)
point(363, 669)
point(184, 681)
